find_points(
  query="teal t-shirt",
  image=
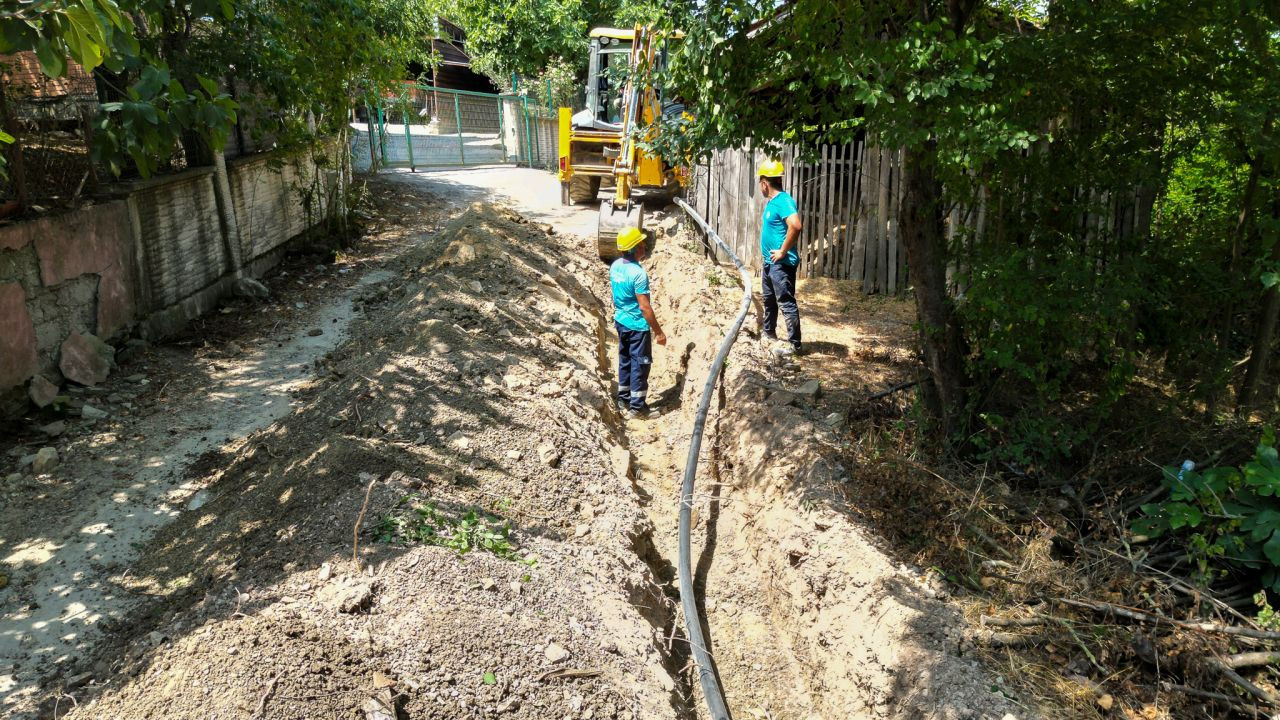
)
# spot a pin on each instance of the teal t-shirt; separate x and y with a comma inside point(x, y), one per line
point(628, 280)
point(773, 231)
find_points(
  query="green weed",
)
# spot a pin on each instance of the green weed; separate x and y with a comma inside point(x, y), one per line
point(416, 519)
point(1226, 516)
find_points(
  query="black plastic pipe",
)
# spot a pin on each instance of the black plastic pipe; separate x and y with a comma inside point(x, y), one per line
point(692, 619)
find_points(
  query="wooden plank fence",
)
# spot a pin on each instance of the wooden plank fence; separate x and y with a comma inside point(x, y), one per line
point(848, 197)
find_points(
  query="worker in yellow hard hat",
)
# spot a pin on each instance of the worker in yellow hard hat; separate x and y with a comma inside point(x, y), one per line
point(779, 234)
point(635, 321)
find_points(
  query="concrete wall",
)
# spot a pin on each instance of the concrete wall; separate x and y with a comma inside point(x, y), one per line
point(156, 255)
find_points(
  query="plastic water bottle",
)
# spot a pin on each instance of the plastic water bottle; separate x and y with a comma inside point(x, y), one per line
point(1187, 466)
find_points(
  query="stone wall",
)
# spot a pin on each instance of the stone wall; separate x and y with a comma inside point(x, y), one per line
point(153, 256)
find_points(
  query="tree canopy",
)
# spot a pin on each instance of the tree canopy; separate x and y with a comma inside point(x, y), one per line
point(169, 70)
point(1160, 111)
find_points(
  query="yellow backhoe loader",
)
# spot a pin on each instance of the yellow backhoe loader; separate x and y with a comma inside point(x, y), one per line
point(598, 145)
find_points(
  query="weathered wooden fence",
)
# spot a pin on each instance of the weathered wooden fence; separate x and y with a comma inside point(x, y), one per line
point(848, 198)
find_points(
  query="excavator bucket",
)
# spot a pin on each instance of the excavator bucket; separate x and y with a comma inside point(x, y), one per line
point(613, 219)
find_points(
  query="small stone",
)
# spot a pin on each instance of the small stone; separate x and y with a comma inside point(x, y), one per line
point(315, 332)
point(514, 382)
point(45, 460)
point(587, 511)
point(299, 305)
point(249, 288)
point(89, 412)
point(137, 378)
point(582, 530)
point(13, 478)
point(554, 653)
point(440, 348)
point(809, 392)
point(779, 398)
point(516, 587)
point(834, 420)
point(488, 583)
point(326, 572)
point(549, 455)
point(54, 429)
point(347, 598)
point(1105, 702)
point(85, 359)
point(475, 286)
point(460, 440)
point(42, 392)
point(514, 455)
point(155, 638)
point(198, 500)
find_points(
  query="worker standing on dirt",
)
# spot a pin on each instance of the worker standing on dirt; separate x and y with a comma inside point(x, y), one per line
point(636, 323)
point(779, 234)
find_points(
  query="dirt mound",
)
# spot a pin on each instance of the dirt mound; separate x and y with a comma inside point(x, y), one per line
point(474, 386)
point(808, 618)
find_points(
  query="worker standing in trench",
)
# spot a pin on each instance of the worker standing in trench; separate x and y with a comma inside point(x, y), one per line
point(779, 234)
point(637, 325)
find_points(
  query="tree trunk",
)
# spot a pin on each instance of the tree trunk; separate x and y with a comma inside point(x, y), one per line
point(1263, 336)
point(1226, 325)
point(17, 164)
point(924, 237)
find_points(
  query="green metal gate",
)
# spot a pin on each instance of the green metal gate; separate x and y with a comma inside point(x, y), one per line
point(430, 127)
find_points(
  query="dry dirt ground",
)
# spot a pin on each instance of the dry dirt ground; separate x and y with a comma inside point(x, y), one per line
point(469, 405)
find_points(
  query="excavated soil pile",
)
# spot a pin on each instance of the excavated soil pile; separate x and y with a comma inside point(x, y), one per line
point(474, 382)
point(807, 617)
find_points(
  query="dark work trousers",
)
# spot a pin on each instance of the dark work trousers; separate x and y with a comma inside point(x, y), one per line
point(635, 356)
point(778, 285)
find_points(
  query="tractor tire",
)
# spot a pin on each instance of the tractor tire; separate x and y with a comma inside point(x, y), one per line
point(583, 189)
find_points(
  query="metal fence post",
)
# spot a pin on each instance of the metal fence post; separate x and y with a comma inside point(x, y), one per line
point(408, 137)
point(502, 134)
point(373, 153)
point(382, 132)
point(457, 116)
point(528, 139)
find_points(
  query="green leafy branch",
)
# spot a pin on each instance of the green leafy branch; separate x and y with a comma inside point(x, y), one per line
point(1227, 516)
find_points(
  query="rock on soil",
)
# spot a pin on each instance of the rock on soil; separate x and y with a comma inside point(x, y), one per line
point(85, 359)
point(89, 412)
point(46, 459)
point(42, 392)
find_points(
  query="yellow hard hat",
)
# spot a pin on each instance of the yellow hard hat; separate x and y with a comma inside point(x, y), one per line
point(770, 168)
point(629, 237)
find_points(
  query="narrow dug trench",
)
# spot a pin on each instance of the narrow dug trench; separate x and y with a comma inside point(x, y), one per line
point(807, 618)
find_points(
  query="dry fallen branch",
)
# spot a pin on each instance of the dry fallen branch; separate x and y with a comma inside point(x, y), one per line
point(266, 694)
point(355, 533)
point(1209, 695)
point(1141, 616)
point(1012, 622)
point(1251, 659)
point(1245, 685)
point(569, 673)
point(996, 638)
